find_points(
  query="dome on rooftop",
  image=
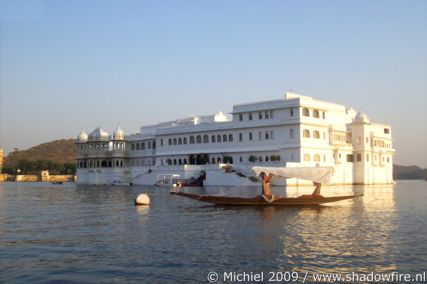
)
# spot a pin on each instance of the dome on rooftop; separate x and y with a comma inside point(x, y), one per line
point(119, 134)
point(361, 118)
point(82, 136)
point(99, 135)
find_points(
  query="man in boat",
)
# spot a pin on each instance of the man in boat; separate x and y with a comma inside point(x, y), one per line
point(268, 196)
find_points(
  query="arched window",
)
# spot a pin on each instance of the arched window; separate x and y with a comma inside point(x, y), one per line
point(121, 163)
point(316, 157)
point(224, 138)
point(306, 157)
point(149, 145)
point(117, 163)
point(305, 112)
point(180, 162)
point(306, 133)
point(170, 141)
point(174, 161)
point(191, 139)
point(266, 158)
point(240, 137)
point(213, 160)
point(132, 147)
point(218, 138)
point(316, 134)
point(154, 144)
point(230, 137)
point(218, 160)
point(180, 141)
point(205, 139)
point(185, 161)
point(175, 141)
point(109, 164)
point(316, 113)
point(198, 139)
point(138, 147)
point(213, 140)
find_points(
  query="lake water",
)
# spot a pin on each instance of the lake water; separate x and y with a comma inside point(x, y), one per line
point(83, 234)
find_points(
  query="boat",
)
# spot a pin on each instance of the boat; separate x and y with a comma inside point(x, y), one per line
point(262, 201)
point(317, 175)
point(119, 182)
point(167, 179)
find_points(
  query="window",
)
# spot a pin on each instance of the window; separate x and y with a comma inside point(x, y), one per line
point(149, 145)
point(316, 134)
point(350, 158)
point(306, 157)
point(224, 138)
point(259, 115)
point(185, 141)
point(250, 136)
point(179, 162)
point(266, 158)
point(359, 157)
point(316, 113)
point(179, 141)
point(142, 146)
point(205, 139)
point(170, 141)
point(291, 111)
point(213, 160)
point(240, 137)
point(161, 142)
point(250, 116)
point(198, 139)
point(291, 133)
point(240, 116)
point(213, 140)
point(267, 135)
point(240, 159)
point(132, 147)
point(305, 112)
point(324, 115)
point(386, 130)
point(137, 147)
point(267, 115)
point(191, 139)
point(316, 157)
point(154, 145)
point(230, 137)
point(306, 133)
point(218, 138)
point(175, 141)
point(388, 159)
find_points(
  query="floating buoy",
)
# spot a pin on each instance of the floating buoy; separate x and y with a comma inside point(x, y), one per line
point(142, 199)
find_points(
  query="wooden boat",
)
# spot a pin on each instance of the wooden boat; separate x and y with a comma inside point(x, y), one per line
point(317, 175)
point(305, 200)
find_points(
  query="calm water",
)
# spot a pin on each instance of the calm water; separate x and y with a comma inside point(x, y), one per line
point(52, 233)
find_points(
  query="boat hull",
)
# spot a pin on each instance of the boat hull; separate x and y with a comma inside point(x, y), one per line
point(261, 201)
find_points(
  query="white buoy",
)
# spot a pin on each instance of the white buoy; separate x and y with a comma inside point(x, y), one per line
point(142, 199)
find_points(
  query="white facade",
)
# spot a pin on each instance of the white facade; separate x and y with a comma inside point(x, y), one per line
point(294, 131)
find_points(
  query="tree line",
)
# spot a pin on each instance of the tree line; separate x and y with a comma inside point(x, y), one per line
point(27, 167)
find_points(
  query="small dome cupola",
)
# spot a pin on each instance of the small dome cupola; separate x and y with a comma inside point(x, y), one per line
point(82, 136)
point(99, 135)
point(361, 118)
point(119, 134)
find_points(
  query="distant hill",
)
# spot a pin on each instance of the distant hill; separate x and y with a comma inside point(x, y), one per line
point(409, 172)
point(57, 152)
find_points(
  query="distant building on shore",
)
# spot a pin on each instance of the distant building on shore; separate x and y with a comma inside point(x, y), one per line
point(294, 131)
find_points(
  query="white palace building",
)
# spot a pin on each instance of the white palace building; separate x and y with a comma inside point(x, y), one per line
point(295, 131)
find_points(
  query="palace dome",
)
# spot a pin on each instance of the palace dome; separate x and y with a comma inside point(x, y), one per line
point(82, 136)
point(99, 135)
point(119, 134)
point(361, 118)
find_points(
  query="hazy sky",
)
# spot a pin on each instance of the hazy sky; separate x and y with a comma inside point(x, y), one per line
point(72, 64)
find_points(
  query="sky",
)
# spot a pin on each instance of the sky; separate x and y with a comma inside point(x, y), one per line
point(68, 64)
